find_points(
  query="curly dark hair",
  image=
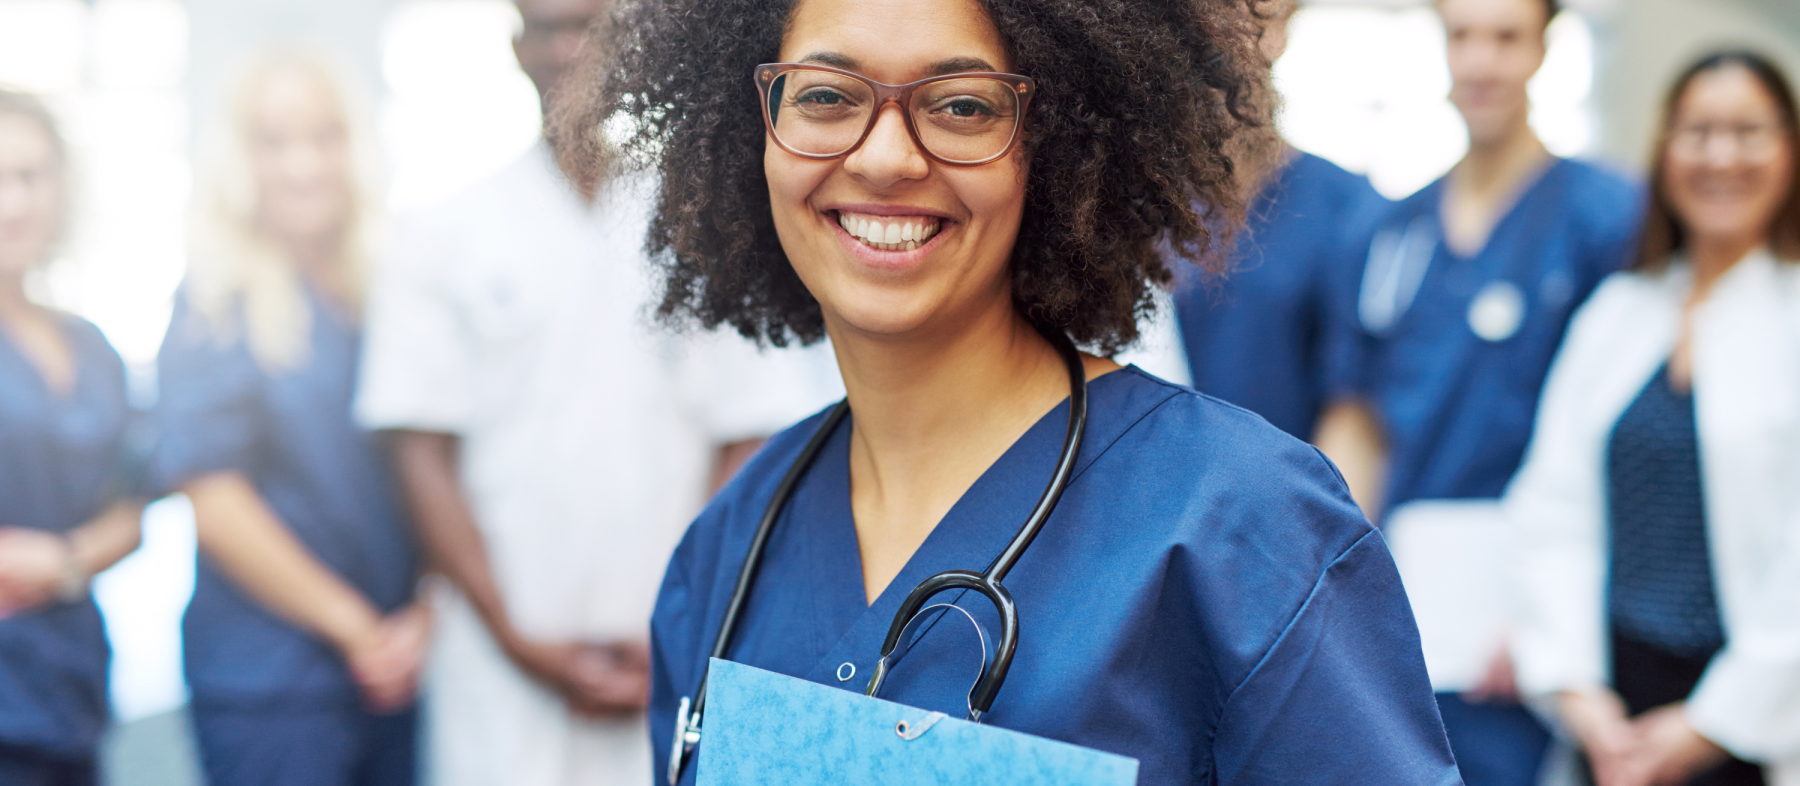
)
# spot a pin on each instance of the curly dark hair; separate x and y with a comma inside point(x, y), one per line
point(1151, 117)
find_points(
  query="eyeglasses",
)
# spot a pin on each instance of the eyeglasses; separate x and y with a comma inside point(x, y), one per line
point(1749, 139)
point(820, 112)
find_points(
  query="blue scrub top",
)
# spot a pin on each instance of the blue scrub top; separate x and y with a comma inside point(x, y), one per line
point(1206, 598)
point(291, 434)
point(1257, 339)
point(1457, 408)
point(59, 467)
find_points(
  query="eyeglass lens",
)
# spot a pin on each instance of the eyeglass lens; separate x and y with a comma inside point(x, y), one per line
point(825, 114)
point(1749, 138)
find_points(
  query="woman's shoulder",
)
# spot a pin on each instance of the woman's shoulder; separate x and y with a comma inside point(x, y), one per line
point(1627, 292)
point(1220, 470)
point(86, 338)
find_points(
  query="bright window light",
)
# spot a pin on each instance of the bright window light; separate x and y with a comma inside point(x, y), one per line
point(458, 108)
point(1366, 87)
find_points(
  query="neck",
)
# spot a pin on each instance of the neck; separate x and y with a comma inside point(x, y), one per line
point(1499, 163)
point(13, 302)
point(916, 397)
point(319, 261)
point(1712, 257)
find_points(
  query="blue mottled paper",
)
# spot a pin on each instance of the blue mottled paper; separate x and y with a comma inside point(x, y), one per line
point(766, 728)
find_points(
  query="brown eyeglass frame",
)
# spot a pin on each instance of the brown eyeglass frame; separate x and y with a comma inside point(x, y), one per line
point(901, 95)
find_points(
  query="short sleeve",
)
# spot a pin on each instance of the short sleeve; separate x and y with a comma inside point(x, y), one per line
point(1342, 694)
point(209, 412)
point(418, 362)
point(740, 391)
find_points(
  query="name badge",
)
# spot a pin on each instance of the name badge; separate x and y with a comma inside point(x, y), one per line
point(1497, 312)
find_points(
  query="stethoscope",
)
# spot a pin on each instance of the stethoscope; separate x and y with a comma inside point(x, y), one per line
point(981, 696)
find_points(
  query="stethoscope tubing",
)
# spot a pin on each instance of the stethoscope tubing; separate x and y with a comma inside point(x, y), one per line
point(987, 583)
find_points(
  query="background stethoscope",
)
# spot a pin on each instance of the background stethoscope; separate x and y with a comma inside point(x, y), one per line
point(987, 582)
point(1395, 269)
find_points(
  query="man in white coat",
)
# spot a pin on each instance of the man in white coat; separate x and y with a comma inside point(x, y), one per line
point(553, 445)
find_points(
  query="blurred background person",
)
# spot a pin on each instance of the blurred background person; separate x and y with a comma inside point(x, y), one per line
point(67, 503)
point(302, 644)
point(554, 445)
point(1660, 501)
point(1467, 289)
point(1257, 338)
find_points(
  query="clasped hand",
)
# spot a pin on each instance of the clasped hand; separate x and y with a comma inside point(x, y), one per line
point(597, 680)
point(386, 660)
point(1657, 748)
point(32, 567)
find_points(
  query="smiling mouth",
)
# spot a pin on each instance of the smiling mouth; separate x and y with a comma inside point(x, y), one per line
point(890, 233)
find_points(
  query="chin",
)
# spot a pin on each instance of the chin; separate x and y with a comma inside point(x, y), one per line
point(875, 314)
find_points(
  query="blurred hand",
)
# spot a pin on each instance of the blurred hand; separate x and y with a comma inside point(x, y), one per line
point(1597, 717)
point(1499, 684)
point(596, 680)
point(32, 563)
point(1667, 751)
point(387, 661)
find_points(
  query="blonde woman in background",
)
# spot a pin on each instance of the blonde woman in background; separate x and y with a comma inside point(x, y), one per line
point(66, 510)
point(302, 642)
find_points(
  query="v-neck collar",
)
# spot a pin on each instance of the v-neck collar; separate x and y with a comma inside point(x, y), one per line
point(969, 536)
point(56, 399)
point(1521, 199)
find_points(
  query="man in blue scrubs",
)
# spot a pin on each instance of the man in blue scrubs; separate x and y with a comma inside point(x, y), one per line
point(1467, 289)
point(1257, 339)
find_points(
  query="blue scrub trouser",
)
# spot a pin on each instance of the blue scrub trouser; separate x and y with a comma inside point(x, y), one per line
point(306, 746)
point(1495, 744)
point(21, 767)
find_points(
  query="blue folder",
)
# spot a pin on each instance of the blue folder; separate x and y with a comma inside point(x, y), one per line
point(767, 728)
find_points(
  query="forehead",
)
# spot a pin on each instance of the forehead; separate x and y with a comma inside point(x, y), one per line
point(24, 142)
point(1729, 90)
point(294, 94)
point(1492, 13)
point(895, 41)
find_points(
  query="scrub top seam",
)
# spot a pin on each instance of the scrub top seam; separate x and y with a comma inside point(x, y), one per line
point(1128, 429)
point(1298, 613)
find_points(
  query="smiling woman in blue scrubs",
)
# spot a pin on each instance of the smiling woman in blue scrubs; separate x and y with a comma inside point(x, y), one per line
point(66, 510)
point(1206, 598)
point(302, 646)
point(1447, 332)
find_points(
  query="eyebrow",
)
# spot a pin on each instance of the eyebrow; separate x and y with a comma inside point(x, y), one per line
point(954, 65)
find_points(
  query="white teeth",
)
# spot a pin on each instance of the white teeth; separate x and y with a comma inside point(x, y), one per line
point(889, 236)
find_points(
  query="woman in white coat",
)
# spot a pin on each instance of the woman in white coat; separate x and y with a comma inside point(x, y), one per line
point(1659, 503)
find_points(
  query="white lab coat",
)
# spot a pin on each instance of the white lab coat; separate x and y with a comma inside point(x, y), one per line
point(517, 316)
point(1746, 367)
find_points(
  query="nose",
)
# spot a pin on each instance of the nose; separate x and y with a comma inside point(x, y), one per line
point(888, 155)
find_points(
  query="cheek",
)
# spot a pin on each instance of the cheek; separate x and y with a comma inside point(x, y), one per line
point(1783, 175)
point(997, 193)
point(792, 181)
